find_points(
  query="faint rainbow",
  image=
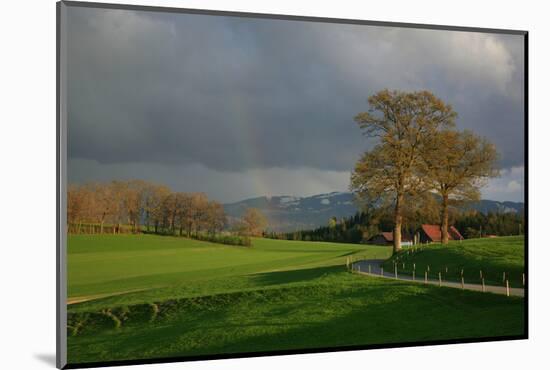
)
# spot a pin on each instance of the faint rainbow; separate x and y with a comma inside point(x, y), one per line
point(248, 144)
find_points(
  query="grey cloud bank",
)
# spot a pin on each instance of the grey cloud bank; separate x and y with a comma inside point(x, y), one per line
point(241, 105)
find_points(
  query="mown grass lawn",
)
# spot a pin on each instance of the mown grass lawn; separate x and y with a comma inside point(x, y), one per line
point(199, 298)
point(111, 264)
point(492, 256)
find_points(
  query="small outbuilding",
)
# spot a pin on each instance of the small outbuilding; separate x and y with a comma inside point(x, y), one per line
point(386, 238)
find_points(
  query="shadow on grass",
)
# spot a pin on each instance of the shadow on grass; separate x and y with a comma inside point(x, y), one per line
point(406, 318)
point(294, 276)
point(346, 312)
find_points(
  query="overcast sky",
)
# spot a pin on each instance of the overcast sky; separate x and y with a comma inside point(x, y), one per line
point(240, 107)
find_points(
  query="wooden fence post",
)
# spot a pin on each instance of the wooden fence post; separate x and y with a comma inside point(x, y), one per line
point(413, 275)
point(483, 285)
point(507, 288)
point(369, 268)
point(462, 281)
point(440, 279)
point(523, 278)
point(381, 271)
point(396, 271)
point(425, 277)
point(503, 276)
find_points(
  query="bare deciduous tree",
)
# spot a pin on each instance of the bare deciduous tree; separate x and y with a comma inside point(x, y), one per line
point(456, 165)
point(253, 222)
point(403, 122)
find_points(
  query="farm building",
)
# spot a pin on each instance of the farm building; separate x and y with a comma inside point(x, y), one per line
point(386, 238)
point(432, 233)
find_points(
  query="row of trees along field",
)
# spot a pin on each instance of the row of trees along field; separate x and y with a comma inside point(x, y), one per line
point(136, 206)
point(363, 225)
point(418, 151)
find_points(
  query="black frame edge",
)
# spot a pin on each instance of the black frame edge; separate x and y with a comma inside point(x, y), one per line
point(288, 352)
point(526, 180)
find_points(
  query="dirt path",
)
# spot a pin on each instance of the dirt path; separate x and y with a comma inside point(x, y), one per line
point(362, 267)
point(73, 300)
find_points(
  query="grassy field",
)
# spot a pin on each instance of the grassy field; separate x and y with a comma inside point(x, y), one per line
point(491, 256)
point(111, 264)
point(164, 296)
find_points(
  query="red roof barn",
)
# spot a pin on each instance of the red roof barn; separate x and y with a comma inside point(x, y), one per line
point(432, 233)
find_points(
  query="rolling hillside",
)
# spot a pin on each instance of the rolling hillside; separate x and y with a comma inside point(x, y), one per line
point(153, 296)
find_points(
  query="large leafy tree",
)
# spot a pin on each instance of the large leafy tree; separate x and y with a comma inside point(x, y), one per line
point(456, 165)
point(404, 122)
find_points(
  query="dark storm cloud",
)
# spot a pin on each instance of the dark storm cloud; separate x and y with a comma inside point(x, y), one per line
point(200, 90)
point(258, 97)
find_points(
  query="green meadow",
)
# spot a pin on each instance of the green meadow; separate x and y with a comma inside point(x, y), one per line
point(490, 258)
point(146, 296)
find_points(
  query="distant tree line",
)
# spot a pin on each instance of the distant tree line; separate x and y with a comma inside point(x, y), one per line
point(138, 205)
point(364, 225)
point(477, 224)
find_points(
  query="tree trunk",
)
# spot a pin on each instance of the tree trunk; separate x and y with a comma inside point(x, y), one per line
point(445, 219)
point(398, 220)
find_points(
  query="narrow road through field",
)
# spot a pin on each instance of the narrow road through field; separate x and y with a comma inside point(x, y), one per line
point(363, 267)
